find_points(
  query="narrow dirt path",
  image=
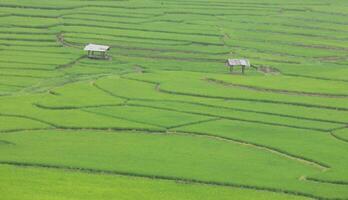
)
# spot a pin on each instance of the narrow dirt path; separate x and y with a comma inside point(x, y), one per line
point(63, 42)
point(72, 63)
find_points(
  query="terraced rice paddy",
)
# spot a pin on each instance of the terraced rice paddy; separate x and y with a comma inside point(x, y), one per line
point(164, 118)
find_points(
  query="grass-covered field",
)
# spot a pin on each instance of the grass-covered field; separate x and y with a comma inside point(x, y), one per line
point(164, 118)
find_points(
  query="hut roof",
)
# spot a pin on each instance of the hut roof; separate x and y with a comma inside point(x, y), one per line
point(238, 62)
point(96, 47)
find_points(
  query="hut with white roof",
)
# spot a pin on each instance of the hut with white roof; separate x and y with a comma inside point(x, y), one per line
point(96, 51)
point(237, 62)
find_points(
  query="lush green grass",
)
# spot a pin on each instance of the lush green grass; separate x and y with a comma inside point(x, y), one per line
point(9, 123)
point(164, 111)
point(139, 154)
point(343, 133)
point(19, 183)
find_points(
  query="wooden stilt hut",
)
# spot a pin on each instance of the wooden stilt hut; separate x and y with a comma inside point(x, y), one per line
point(237, 62)
point(96, 51)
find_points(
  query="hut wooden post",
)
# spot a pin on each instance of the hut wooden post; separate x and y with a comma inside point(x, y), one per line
point(243, 63)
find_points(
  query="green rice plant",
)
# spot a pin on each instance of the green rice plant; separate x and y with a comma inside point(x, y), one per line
point(163, 117)
point(152, 154)
point(13, 123)
point(27, 183)
point(343, 134)
point(76, 95)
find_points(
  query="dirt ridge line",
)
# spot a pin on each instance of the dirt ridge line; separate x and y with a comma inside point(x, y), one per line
point(6, 142)
point(315, 77)
point(317, 180)
point(145, 38)
point(192, 103)
point(213, 115)
point(122, 118)
point(217, 117)
point(157, 86)
point(261, 89)
point(28, 118)
point(234, 118)
point(194, 122)
point(73, 107)
point(22, 130)
point(254, 100)
point(144, 41)
point(339, 128)
point(338, 137)
point(61, 40)
point(316, 164)
point(166, 178)
point(272, 150)
point(71, 63)
point(144, 29)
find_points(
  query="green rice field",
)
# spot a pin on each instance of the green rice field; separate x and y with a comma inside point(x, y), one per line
point(163, 117)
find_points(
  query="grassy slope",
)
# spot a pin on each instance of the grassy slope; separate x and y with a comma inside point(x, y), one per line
point(164, 106)
point(19, 183)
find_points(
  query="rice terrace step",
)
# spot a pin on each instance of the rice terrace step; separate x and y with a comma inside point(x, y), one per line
point(174, 99)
